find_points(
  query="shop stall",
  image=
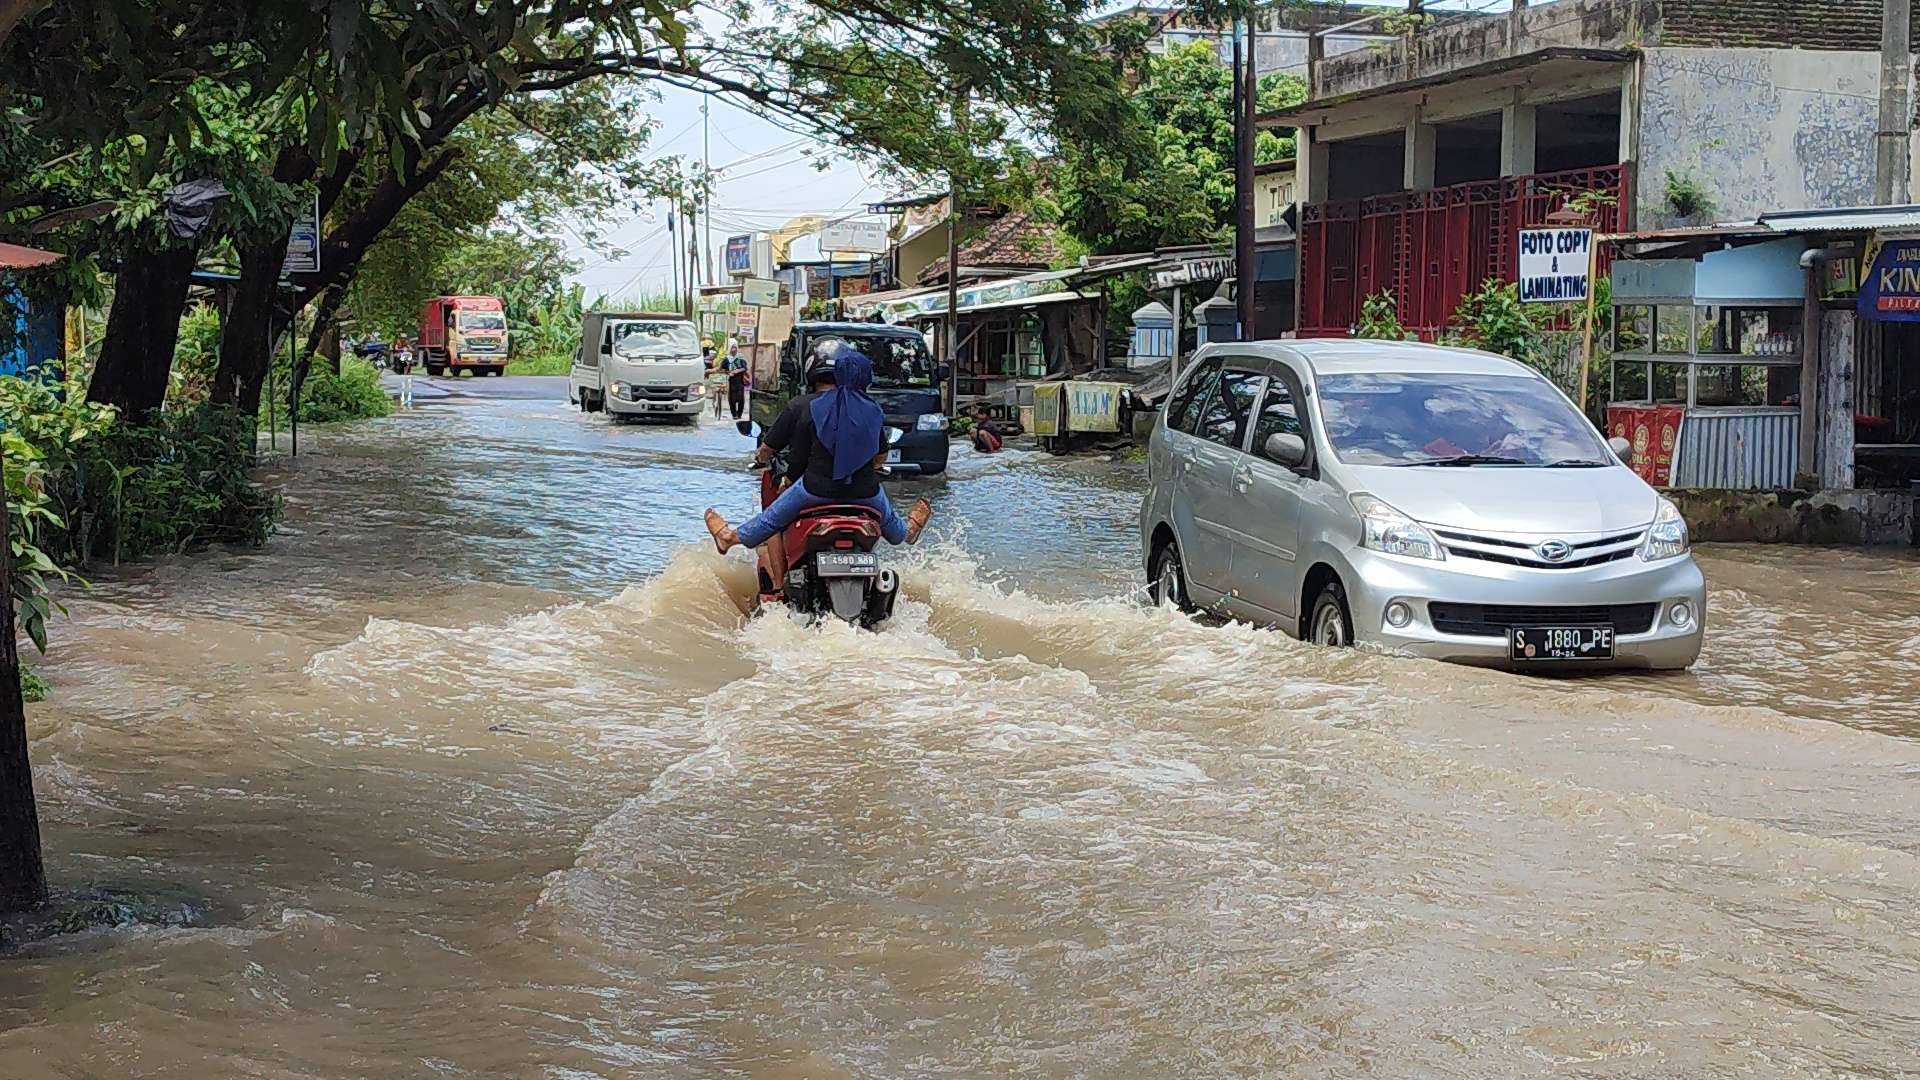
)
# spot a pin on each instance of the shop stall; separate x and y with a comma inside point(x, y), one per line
point(1706, 355)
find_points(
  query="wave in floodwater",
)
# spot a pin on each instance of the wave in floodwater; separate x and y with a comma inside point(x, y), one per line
point(650, 835)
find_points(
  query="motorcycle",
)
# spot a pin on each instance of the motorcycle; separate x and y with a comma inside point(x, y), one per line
point(825, 561)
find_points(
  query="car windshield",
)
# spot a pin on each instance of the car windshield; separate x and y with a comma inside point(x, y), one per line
point(655, 339)
point(482, 320)
point(1453, 419)
point(899, 363)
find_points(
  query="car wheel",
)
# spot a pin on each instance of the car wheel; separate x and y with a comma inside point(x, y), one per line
point(1170, 580)
point(1332, 623)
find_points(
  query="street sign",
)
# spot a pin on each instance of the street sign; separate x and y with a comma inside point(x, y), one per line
point(867, 237)
point(747, 325)
point(1209, 268)
point(740, 254)
point(1556, 265)
point(303, 241)
point(760, 292)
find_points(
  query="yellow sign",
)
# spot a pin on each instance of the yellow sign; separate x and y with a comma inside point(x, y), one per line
point(1093, 406)
point(1046, 409)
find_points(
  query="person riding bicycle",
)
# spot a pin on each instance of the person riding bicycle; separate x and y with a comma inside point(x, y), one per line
point(837, 439)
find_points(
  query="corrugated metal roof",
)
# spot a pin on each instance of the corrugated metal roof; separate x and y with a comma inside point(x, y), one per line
point(1843, 219)
point(15, 257)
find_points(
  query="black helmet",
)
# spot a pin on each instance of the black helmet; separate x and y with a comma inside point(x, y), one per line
point(821, 357)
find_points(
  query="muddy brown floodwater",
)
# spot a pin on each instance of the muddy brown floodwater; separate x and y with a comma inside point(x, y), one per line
point(476, 770)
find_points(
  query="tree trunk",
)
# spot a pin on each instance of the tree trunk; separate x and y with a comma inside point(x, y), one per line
point(149, 294)
point(23, 878)
point(247, 336)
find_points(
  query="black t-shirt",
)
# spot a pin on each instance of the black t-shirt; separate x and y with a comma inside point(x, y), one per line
point(807, 458)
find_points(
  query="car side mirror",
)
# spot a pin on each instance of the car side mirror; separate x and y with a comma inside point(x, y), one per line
point(606, 348)
point(1621, 448)
point(789, 368)
point(1285, 449)
point(943, 373)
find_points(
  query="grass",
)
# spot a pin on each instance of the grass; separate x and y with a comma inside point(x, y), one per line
point(540, 364)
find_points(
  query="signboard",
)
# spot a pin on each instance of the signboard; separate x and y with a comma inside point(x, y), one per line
point(746, 325)
point(1556, 265)
point(303, 242)
point(775, 326)
point(1890, 285)
point(740, 254)
point(1046, 409)
point(1211, 268)
point(760, 292)
point(1654, 431)
point(867, 237)
point(1093, 406)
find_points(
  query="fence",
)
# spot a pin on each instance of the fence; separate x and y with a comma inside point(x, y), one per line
point(1431, 248)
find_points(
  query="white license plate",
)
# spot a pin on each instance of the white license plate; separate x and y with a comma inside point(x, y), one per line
point(661, 408)
point(846, 564)
point(893, 457)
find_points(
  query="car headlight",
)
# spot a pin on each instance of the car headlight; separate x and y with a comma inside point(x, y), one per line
point(932, 421)
point(1383, 528)
point(1668, 536)
point(696, 389)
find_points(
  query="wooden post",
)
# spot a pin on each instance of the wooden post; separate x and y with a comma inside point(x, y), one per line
point(23, 877)
point(1833, 458)
point(1593, 299)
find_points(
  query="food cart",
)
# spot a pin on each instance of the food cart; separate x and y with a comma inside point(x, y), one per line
point(1707, 348)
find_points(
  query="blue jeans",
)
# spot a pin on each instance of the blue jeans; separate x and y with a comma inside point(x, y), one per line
point(797, 499)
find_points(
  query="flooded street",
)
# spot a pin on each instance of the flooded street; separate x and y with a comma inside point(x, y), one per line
point(477, 770)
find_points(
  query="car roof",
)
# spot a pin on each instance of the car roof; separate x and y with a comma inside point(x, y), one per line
point(1343, 356)
point(858, 328)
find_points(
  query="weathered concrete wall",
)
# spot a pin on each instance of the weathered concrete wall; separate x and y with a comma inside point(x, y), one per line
point(1801, 24)
point(1884, 518)
point(1758, 129)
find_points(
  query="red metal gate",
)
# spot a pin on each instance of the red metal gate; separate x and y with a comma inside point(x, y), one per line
point(1432, 248)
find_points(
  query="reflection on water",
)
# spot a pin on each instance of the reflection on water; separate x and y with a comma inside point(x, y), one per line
point(489, 776)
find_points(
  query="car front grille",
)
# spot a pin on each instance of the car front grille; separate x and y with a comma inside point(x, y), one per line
point(1494, 620)
point(1508, 552)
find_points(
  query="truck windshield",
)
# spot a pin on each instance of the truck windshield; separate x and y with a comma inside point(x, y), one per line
point(655, 339)
point(1404, 418)
point(482, 320)
point(899, 363)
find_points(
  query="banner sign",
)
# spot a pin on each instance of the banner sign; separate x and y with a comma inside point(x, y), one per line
point(1890, 283)
point(1654, 431)
point(1046, 409)
point(303, 243)
point(1093, 406)
point(740, 254)
point(746, 324)
point(866, 237)
point(760, 292)
point(1556, 265)
point(1211, 268)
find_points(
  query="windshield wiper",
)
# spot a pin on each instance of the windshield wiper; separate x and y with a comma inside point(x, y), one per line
point(1464, 460)
point(1578, 463)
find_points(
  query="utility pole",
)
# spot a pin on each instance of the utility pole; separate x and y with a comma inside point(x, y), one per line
point(1245, 100)
point(1892, 177)
point(706, 165)
point(952, 331)
point(673, 250)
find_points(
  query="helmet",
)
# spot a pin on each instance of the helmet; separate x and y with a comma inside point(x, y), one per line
point(821, 358)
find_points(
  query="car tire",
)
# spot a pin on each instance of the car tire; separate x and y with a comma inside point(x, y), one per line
point(1169, 580)
point(1332, 621)
point(436, 370)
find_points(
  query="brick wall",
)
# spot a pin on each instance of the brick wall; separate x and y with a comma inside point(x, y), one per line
point(1773, 24)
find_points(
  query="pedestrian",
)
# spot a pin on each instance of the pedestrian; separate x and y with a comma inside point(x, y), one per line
point(403, 365)
point(736, 378)
point(716, 379)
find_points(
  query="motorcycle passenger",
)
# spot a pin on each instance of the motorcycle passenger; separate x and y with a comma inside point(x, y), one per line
point(840, 434)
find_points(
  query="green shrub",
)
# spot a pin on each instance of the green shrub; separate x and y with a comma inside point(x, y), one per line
point(32, 686)
point(1380, 319)
point(354, 394)
point(1493, 318)
point(195, 356)
point(180, 482)
point(541, 364)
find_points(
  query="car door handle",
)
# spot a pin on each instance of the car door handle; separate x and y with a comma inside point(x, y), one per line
point(1186, 455)
point(1242, 478)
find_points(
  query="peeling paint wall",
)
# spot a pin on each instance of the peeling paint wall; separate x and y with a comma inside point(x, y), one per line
point(1757, 129)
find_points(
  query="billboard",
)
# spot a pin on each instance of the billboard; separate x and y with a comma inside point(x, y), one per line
point(867, 237)
point(740, 254)
point(1890, 287)
point(760, 292)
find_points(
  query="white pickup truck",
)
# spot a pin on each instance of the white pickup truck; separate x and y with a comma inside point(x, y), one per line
point(638, 364)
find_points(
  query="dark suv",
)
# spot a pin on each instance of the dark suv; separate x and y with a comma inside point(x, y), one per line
point(906, 384)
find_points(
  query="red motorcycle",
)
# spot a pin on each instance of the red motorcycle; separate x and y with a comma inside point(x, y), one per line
point(825, 562)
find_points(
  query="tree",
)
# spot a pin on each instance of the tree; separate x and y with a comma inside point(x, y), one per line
point(1181, 189)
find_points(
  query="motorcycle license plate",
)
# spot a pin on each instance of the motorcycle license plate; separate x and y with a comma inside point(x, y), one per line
point(846, 564)
point(1562, 643)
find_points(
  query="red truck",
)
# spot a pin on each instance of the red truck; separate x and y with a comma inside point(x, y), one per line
point(464, 333)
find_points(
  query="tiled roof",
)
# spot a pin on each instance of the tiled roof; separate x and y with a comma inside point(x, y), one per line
point(1013, 239)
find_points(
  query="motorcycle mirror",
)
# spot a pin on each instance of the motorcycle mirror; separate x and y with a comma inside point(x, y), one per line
point(893, 435)
point(1621, 448)
point(744, 427)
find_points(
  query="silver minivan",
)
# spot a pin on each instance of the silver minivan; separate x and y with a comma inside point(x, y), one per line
point(1443, 502)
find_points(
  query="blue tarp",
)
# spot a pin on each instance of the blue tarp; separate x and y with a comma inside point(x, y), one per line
point(37, 331)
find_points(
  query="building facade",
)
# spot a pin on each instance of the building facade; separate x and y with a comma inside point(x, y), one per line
point(1421, 160)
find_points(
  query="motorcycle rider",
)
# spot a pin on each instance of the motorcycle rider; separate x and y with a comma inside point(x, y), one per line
point(838, 442)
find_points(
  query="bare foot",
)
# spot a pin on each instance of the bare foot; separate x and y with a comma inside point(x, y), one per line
point(917, 519)
point(724, 537)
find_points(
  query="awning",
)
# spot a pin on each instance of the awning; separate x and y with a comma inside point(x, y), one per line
point(1010, 303)
point(15, 257)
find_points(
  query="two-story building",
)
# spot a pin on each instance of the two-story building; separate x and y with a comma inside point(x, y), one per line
point(1419, 161)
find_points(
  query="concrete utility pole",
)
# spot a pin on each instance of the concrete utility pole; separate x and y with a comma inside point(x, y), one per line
point(1246, 102)
point(1892, 183)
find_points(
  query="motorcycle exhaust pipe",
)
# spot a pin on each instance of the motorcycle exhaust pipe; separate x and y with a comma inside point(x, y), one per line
point(888, 582)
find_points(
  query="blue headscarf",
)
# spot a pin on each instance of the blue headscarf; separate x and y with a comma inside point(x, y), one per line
point(845, 419)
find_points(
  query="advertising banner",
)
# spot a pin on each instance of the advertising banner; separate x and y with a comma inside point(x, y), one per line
point(866, 237)
point(1890, 284)
point(740, 254)
point(1556, 265)
point(1046, 409)
point(760, 292)
point(1654, 431)
point(747, 325)
point(1093, 406)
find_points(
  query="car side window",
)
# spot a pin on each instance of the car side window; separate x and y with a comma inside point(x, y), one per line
point(1278, 416)
point(1224, 420)
point(1183, 409)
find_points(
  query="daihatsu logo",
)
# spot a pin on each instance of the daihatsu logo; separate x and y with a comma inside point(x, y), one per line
point(1554, 550)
